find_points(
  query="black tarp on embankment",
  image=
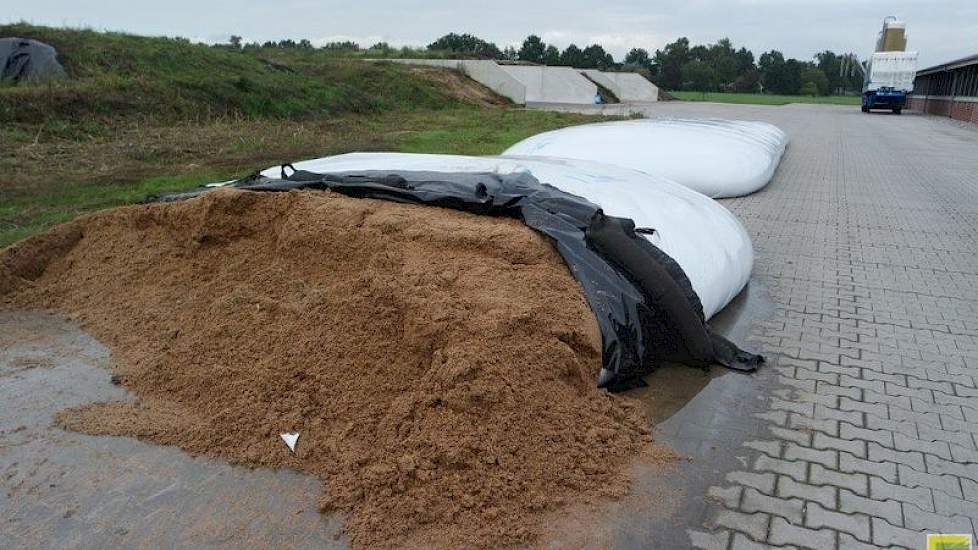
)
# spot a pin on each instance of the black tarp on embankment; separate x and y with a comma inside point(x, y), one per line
point(26, 59)
point(644, 303)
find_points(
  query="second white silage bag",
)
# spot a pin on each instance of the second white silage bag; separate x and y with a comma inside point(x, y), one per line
point(719, 158)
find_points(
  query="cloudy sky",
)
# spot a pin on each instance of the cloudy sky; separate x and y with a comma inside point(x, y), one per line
point(939, 29)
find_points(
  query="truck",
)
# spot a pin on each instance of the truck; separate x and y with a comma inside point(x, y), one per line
point(889, 78)
point(890, 71)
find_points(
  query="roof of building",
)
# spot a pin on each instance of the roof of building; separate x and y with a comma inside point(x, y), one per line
point(957, 63)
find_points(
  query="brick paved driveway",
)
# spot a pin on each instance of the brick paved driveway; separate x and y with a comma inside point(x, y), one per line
point(866, 429)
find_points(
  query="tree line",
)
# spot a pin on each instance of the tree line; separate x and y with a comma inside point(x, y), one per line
point(678, 65)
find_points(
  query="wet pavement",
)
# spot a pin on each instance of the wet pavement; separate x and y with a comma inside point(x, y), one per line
point(860, 432)
point(62, 489)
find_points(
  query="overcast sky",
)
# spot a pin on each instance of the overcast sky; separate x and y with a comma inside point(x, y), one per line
point(939, 29)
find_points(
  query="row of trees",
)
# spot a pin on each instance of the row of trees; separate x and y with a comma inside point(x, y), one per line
point(533, 50)
point(721, 67)
point(677, 66)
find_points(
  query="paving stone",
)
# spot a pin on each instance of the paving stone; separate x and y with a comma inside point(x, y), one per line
point(857, 483)
point(970, 489)
point(853, 417)
point(829, 426)
point(963, 454)
point(795, 469)
point(763, 482)
point(878, 453)
point(915, 518)
point(883, 437)
point(779, 418)
point(877, 409)
point(885, 534)
point(920, 418)
point(886, 470)
point(918, 496)
point(755, 525)
point(800, 437)
point(855, 382)
point(828, 457)
point(902, 401)
point(856, 525)
point(962, 437)
point(908, 429)
point(825, 388)
point(947, 484)
point(807, 409)
point(856, 447)
point(937, 465)
point(890, 510)
point(868, 261)
point(790, 509)
point(783, 533)
point(904, 443)
point(947, 505)
point(848, 542)
point(952, 410)
point(789, 488)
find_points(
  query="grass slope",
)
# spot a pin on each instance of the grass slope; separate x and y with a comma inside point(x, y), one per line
point(116, 75)
point(140, 116)
point(766, 99)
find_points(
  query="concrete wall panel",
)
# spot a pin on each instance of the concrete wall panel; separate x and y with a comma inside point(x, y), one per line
point(553, 84)
point(627, 87)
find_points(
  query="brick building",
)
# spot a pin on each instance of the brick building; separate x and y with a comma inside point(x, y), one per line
point(950, 89)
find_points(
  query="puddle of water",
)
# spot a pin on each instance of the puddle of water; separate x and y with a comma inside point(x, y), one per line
point(672, 386)
point(65, 489)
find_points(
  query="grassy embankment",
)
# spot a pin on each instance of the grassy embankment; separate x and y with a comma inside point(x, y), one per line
point(766, 99)
point(139, 116)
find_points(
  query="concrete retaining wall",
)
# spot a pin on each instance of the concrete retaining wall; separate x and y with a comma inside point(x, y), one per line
point(535, 85)
point(486, 72)
point(553, 84)
point(627, 87)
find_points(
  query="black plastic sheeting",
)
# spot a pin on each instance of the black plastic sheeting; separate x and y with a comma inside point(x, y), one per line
point(644, 303)
point(26, 59)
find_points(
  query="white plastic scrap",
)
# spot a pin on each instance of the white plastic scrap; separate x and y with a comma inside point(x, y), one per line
point(290, 440)
point(719, 158)
point(708, 242)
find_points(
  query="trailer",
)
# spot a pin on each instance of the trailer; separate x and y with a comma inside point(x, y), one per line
point(889, 78)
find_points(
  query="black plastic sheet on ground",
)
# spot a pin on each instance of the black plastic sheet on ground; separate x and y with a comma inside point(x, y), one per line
point(644, 303)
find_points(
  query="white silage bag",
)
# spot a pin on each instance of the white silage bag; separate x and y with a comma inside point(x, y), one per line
point(704, 238)
point(719, 158)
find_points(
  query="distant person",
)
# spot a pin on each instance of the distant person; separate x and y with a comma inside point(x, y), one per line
point(597, 99)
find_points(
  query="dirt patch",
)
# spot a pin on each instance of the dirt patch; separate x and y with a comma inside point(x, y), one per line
point(438, 365)
point(460, 86)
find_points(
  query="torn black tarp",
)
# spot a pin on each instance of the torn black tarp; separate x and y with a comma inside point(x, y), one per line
point(644, 303)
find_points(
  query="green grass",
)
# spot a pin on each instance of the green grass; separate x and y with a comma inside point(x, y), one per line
point(138, 116)
point(482, 131)
point(115, 75)
point(25, 216)
point(50, 197)
point(766, 99)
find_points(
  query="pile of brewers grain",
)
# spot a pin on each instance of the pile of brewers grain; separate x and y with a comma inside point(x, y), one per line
point(440, 366)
